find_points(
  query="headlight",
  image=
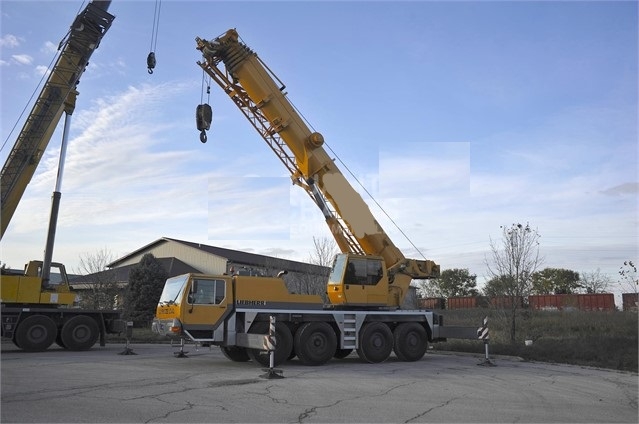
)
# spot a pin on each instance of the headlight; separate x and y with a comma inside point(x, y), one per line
point(176, 326)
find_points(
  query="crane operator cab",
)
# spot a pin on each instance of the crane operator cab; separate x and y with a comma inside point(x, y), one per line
point(358, 281)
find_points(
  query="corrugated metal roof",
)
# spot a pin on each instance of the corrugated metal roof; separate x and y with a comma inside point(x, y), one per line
point(236, 256)
point(173, 267)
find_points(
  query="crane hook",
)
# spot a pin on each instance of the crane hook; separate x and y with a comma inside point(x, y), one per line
point(150, 62)
point(203, 118)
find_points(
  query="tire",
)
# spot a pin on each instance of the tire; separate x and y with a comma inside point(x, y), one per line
point(375, 342)
point(79, 333)
point(411, 341)
point(15, 342)
point(283, 347)
point(315, 343)
point(342, 353)
point(235, 353)
point(36, 333)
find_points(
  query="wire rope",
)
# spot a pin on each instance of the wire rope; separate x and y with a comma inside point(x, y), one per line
point(362, 186)
point(150, 59)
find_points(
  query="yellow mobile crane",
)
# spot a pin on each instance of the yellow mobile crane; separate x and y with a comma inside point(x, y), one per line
point(36, 313)
point(368, 282)
point(380, 271)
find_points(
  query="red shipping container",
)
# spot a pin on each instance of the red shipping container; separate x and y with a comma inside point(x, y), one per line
point(506, 302)
point(584, 302)
point(596, 302)
point(630, 301)
point(462, 302)
point(540, 301)
point(432, 303)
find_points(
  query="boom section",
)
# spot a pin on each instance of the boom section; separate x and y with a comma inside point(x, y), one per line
point(253, 89)
point(82, 40)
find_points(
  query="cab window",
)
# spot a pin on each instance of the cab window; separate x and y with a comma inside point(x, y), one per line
point(208, 292)
point(365, 272)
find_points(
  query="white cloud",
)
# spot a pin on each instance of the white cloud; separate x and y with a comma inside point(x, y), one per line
point(115, 177)
point(248, 208)
point(22, 59)
point(10, 41)
point(49, 48)
point(42, 70)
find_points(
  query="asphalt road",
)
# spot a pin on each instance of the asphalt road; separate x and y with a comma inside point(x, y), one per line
point(153, 386)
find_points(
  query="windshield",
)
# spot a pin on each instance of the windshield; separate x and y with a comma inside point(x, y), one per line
point(338, 269)
point(173, 289)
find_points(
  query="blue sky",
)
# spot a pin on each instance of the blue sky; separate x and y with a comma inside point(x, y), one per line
point(458, 117)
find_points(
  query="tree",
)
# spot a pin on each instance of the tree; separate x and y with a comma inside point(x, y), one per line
point(628, 277)
point(146, 281)
point(324, 252)
point(595, 282)
point(102, 282)
point(310, 282)
point(497, 286)
point(453, 282)
point(555, 281)
point(513, 262)
point(427, 288)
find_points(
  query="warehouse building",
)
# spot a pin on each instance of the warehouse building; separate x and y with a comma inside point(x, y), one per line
point(180, 257)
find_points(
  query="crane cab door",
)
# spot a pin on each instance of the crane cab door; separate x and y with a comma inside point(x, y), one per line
point(358, 281)
point(208, 302)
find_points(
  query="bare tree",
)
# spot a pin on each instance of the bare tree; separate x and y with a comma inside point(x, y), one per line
point(595, 282)
point(514, 259)
point(324, 253)
point(629, 279)
point(102, 284)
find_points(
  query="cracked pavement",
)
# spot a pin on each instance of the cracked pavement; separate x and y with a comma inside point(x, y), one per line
point(155, 387)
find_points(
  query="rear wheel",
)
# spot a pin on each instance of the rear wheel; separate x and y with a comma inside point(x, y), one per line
point(36, 333)
point(79, 333)
point(283, 345)
point(315, 343)
point(375, 342)
point(411, 341)
point(235, 353)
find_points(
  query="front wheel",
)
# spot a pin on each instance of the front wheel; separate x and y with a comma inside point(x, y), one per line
point(315, 343)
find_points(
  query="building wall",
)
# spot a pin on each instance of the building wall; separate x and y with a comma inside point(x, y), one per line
point(205, 262)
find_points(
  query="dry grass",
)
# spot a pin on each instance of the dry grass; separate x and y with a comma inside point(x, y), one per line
point(600, 339)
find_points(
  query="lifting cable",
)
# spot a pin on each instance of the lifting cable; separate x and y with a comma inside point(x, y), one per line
point(206, 81)
point(150, 59)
